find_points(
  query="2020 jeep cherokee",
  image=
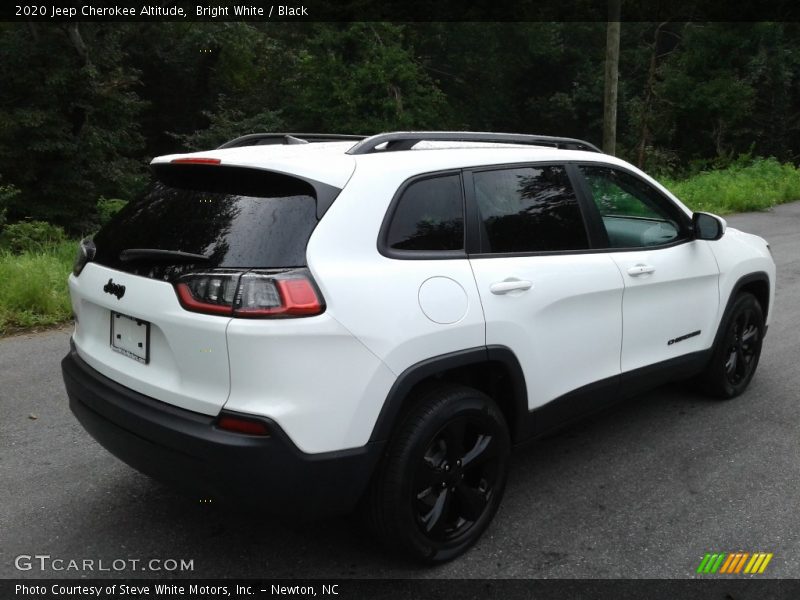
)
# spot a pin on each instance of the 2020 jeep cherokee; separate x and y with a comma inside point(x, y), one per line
point(376, 322)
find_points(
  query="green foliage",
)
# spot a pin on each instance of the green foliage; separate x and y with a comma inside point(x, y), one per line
point(31, 236)
point(717, 90)
point(27, 301)
point(69, 119)
point(107, 208)
point(755, 186)
point(199, 81)
point(7, 193)
point(228, 123)
point(360, 78)
point(544, 78)
point(85, 106)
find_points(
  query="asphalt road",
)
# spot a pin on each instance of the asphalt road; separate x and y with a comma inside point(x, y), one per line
point(641, 491)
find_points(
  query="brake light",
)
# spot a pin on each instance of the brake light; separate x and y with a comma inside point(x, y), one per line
point(241, 425)
point(196, 161)
point(250, 294)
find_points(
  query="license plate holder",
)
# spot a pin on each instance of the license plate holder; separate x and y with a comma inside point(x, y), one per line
point(131, 337)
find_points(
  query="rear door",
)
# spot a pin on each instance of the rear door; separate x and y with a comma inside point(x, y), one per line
point(212, 219)
point(549, 298)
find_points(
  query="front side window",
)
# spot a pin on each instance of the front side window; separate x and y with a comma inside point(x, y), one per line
point(634, 214)
point(528, 209)
point(429, 216)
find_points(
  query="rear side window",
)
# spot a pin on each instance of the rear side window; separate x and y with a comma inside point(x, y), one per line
point(236, 217)
point(528, 209)
point(428, 216)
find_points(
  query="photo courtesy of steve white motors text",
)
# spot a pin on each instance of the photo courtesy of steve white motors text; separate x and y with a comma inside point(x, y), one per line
point(193, 590)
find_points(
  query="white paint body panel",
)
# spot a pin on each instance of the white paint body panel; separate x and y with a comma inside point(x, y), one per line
point(188, 352)
point(565, 330)
point(738, 254)
point(679, 297)
point(309, 375)
point(325, 162)
point(324, 379)
point(377, 298)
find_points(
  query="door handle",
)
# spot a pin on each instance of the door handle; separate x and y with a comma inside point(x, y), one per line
point(641, 269)
point(510, 285)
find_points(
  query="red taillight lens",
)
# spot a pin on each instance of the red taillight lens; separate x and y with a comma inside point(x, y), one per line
point(242, 425)
point(196, 161)
point(252, 294)
point(263, 295)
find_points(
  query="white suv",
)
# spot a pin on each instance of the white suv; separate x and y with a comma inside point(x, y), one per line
point(374, 323)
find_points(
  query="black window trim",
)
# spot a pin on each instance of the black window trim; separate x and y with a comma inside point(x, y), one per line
point(383, 234)
point(592, 219)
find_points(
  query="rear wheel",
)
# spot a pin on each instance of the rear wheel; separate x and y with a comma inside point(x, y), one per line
point(444, 475)
point(735, 358)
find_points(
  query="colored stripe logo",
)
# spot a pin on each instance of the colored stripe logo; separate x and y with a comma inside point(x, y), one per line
point(734, 563)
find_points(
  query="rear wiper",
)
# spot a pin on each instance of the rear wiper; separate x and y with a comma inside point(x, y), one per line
point(156, 254)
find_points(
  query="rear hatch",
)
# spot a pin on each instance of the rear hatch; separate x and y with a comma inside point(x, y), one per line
point(207, 243)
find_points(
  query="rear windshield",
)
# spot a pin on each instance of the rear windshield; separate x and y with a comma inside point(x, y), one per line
point(236, 217)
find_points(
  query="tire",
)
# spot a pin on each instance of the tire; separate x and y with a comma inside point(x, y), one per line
point(443, 476)
point(738, 349)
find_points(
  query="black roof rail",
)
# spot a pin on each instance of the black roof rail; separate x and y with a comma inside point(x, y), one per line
point(405, 140)
point(263, 139)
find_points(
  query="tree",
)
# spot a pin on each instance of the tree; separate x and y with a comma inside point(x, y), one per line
point(359, 78)
point(611, 78)
point(68, 120)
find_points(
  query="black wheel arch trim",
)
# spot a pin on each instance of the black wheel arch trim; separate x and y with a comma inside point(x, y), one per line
point(755, 277)
point(399, 393)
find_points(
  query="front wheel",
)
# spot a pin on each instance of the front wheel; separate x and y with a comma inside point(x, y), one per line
point(443, 477)
point(736, 355)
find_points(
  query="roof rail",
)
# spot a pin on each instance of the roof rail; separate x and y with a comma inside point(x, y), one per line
point(262, 139)
point(405, 140)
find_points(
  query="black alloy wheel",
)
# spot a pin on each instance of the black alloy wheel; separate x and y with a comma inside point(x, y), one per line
point(456, 478)
point(742, 352)
point(443, 476)
point(738, 349)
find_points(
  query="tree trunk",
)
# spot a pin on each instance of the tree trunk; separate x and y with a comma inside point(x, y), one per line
point(611, 78)
point(648, 99)
point(77, 42)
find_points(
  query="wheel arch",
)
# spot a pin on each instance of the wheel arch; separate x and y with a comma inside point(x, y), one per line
point(493, 370)
point(756, 283)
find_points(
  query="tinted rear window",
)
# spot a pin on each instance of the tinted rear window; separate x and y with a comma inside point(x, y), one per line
point(429, 216)
point(239, 218)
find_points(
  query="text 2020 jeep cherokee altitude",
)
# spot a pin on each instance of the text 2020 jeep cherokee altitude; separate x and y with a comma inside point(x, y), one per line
point(376, 322)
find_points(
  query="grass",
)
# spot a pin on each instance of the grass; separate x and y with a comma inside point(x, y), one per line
point(34, 287)
point(759, 185)
point(33, 292)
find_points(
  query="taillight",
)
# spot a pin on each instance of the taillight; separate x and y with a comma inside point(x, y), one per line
point(251, 294)
point(196, 161)
point(86, 252)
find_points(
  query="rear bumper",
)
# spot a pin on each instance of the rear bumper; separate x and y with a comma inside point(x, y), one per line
point(185, 449)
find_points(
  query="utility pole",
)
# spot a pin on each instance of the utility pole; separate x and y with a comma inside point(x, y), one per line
point(611, 78)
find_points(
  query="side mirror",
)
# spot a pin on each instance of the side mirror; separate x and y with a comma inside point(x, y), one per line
point(706, 226)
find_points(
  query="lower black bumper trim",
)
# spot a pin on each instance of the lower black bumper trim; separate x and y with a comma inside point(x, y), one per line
point(185, 449)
